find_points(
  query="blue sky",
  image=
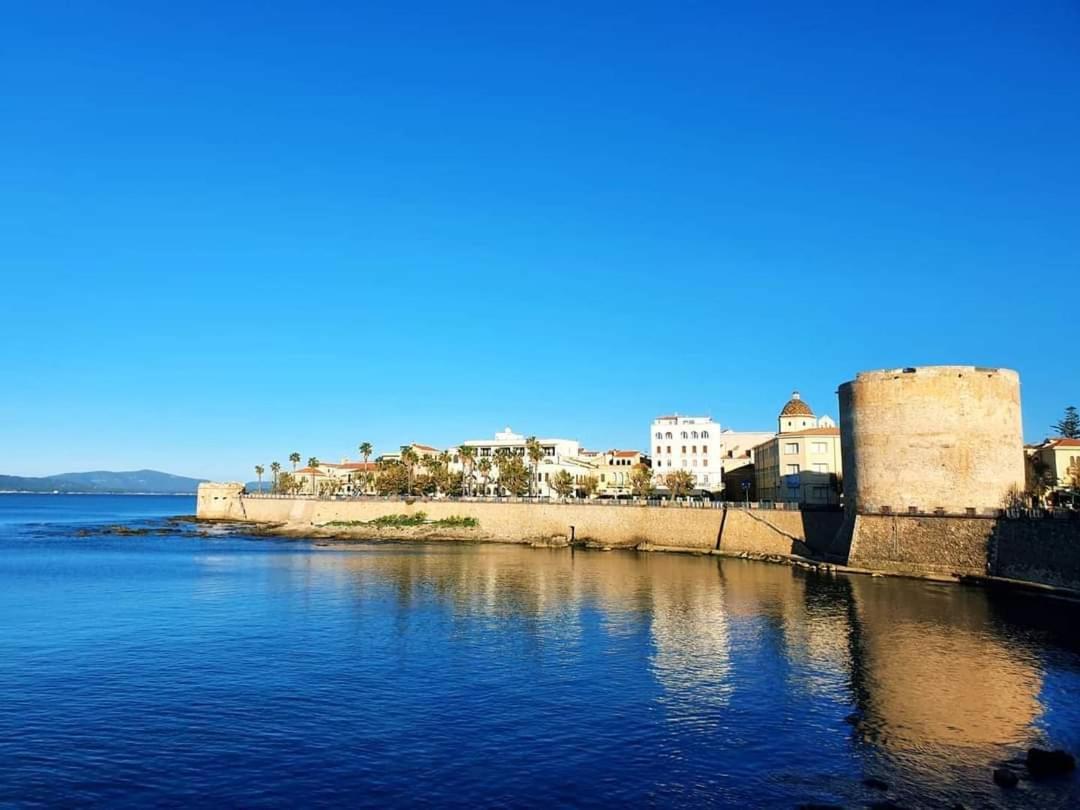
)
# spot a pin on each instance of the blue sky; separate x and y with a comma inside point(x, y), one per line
point(233, 230)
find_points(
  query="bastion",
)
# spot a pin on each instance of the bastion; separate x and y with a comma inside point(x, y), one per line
point(932, 438)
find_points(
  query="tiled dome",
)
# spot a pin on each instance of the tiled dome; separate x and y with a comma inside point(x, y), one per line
point(796, 407)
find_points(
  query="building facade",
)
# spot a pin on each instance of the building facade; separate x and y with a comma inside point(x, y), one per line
point(702, 447)
point(802, 462)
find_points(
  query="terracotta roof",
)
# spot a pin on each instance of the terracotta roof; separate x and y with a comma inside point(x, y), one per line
point(1063, 443)
point(796, 407)
point(812, 432)
point(309, 471)
point(426, 447)
point(358, 465)
point(625, 453)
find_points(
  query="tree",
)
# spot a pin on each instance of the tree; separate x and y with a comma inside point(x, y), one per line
point(313, 463)
point(563, 483)
point(1068, 427)
point(679, 483)
point(295, 459)
point(259, 470)
point(536, 454)
point(408, 460)
point(286, 483)
point(468, 457)
point(365, 450)
point(275, 468)
point(589, 485)
point(513, 474)
point(1040, 477)
point(641, 481)
point(393, 478)
point(484, 468)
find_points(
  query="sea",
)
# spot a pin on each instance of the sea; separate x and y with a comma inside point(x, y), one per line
point(149, 660)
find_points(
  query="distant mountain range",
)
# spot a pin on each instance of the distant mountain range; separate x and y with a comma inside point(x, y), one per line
point(103, 481)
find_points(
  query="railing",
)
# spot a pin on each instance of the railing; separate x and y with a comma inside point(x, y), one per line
point(990, 513)
point(667, 503)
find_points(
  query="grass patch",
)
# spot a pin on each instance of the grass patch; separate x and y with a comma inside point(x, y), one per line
point(415, 519)
point(455, 522)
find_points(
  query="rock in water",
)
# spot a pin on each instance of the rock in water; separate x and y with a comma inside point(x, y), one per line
point(876, 784)
point(1049, 763)
point(1005, 778)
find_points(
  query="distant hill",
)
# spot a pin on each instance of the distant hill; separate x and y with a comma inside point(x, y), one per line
point(103, 481)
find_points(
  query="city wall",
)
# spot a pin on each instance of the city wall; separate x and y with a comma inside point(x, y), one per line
point(1041, 550)
point(733, 531)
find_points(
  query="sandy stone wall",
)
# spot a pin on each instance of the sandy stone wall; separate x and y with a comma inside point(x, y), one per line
point(648, 527)
point(1043, 550)
point(931, 437)
point(908, 544)
point(1046, 551)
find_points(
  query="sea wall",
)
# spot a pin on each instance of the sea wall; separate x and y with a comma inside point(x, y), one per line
point(1043, 550)
point(648, 527)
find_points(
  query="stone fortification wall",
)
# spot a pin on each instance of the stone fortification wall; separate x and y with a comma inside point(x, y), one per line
point(1046, 551)
point(1043, 550)
point(918, 545)
point(933, 437)
point(647, 527)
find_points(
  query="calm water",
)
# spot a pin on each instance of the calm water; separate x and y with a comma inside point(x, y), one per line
point(189, 665)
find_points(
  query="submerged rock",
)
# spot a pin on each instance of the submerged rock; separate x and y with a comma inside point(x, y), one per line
point(1003, 777)
point(876, 784)
point(1041, 762)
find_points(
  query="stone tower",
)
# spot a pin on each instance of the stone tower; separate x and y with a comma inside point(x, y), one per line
point(931, 438)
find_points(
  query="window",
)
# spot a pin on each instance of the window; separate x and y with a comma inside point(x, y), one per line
point(667, 435)
point(791, 448)
point(684, 435)
point(684, 448)
point(792, 469)
point(695, 462)
point(658, 449)
point(684, 462)
point(693, 449)
point(819, 447)
point(693, 434)
point(659, 435)
point(669, 446)
point(602, 477)
point(821, 468)
point(704, 434)
point(704, 448)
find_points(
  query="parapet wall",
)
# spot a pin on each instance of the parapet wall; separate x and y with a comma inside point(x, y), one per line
point(1043, 550)
point(647, 527)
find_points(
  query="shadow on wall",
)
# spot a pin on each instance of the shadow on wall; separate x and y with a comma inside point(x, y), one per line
point(1044, 550)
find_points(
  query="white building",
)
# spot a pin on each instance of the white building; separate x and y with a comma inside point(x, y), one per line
point(558, 454)
point(702, 447)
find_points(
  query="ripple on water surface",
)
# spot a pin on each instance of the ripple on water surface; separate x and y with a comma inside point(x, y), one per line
point(175, 666)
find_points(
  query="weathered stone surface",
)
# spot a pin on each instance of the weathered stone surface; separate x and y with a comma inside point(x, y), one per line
point(929, 437)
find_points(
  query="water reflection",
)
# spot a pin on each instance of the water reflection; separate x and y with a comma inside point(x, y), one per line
point(942, 684)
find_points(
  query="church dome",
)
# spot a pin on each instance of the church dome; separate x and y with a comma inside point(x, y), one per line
point(796, 407)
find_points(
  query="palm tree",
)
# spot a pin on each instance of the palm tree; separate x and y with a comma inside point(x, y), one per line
point(536, 455)
point(275, 468)
point(259, 473)
point(365, 450)
point(468, 455)
point(409, 459)
point(295, 459)
point(484, 466)
point(313, 463)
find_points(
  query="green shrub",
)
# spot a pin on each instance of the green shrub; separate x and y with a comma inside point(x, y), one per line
point(399, 521)
point(455, 522)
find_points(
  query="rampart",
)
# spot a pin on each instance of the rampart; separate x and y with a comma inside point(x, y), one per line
point(730, 530)
point(1044, 550)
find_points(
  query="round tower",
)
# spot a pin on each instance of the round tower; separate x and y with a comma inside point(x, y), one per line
point(930, 438)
